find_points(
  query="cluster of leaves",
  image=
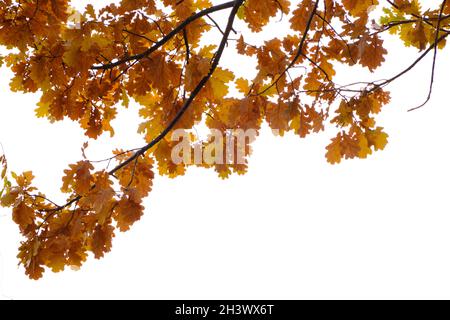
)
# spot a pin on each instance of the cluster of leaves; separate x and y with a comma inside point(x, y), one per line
point(59, 236)
point(164, 56)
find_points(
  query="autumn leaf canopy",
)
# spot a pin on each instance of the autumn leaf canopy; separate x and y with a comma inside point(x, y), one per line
point(166, 59)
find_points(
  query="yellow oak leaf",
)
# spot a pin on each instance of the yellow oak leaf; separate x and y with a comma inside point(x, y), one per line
point(377, 138)
point(364, 149)
point(359, 7)
point(78, 178)
point(219, 81)
point(23, 215)
point(243, 86)
point(334, 154)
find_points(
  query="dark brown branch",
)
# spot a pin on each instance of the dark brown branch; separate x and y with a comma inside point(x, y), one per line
point(377, 84)
point(181, 112)
point(425, 20)
point(215, 23)
point(195, 92)
point(186, 44)
point(420, 58)
point(137, 35)
point(166, 38)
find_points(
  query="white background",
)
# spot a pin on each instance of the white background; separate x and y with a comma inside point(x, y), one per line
point(294, 227)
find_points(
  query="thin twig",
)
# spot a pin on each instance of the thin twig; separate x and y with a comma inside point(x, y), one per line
point(433, 67)
point(166, 38)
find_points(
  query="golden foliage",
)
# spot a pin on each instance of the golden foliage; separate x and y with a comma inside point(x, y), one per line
point(87, 66)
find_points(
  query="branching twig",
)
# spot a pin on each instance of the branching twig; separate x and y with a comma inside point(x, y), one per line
point(167, 37)
point(299, 52)
point(186, 43)
point(215, 63)
point(433, 67)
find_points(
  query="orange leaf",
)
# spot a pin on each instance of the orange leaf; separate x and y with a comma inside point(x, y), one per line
point(101, 241)
point(128, 211)
point(23, 215)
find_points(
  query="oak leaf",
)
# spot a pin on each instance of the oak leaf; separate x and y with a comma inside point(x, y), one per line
point(101, 241)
